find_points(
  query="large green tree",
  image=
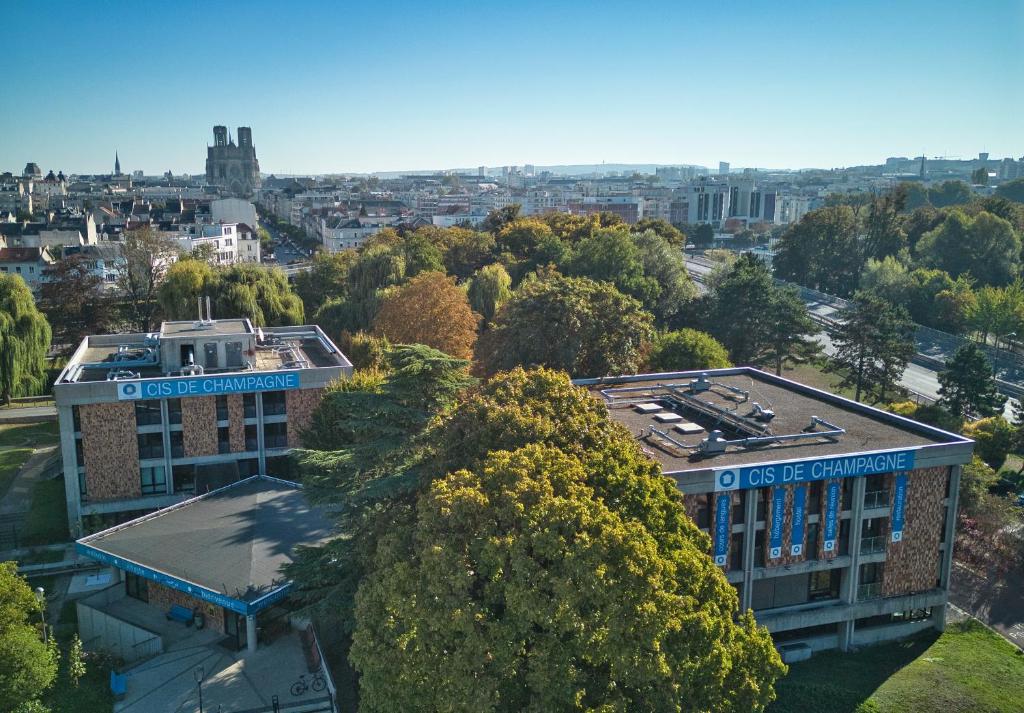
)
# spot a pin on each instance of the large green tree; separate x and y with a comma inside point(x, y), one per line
point(546, 510)
point(76, 302)
point(576, 324)
point(24, 340)
point(489, 289)
point(968, 386)
point(873, 342)
point(326, 278)
point(985, 246)
point(1012, 190)
point(823, 251)
point(146, 256)
point(687, 349)
point(28, 667)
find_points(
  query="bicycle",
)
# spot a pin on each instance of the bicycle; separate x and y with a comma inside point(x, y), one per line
point(318, 684)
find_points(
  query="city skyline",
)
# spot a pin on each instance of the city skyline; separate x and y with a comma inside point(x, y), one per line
point(525, 84)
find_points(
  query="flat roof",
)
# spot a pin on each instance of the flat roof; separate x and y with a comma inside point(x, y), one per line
point(227, 546)
point(666, 403)
point(195, 328)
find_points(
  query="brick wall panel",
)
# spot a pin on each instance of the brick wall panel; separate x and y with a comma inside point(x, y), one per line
point(110, 451)
point(912, 565)
point(236, 423)
point(199, 425)
point(163, 598)
point(300, 404)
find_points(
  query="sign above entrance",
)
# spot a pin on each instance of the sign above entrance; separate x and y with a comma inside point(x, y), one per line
point(177, 387)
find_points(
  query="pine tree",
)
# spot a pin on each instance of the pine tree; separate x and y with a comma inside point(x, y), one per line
point(968, 386)
point(874, 340)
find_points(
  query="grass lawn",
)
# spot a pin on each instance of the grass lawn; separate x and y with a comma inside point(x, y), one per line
point(47, 520)
point(16, 443)
point(968, 669)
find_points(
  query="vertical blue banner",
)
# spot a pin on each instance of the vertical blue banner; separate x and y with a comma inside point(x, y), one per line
point(723, 502)
point(832, 494)
point(899, 507)
point(778, 516)
point(796, 531)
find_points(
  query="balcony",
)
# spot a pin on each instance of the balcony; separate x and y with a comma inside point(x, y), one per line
point(872, 545)
point(872, 590)
point(876, 499)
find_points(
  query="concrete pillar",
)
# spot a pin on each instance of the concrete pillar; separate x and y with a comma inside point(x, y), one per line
point(250, 633)
point(848, 587)
point(72, 495)
point(165, 420)
point(952, 503)
point(845, 632)
point(259, 433)
point(749, 530)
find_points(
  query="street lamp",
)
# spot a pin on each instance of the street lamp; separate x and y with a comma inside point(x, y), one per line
point(41, 598)
point(199, 673)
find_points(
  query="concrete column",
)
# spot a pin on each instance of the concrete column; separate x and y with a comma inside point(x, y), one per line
point(848, 587)
point(259, 433)
point(952, 503)
point(250, 633)
point(165, 421)
point(72, 494)
point(749, 530)
point(845, 632)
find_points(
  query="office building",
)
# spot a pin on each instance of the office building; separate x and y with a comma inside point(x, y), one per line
point(833, 520)
point(149, 420)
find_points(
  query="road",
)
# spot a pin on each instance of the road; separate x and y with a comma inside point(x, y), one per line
point(285, 251)
point(918, 377)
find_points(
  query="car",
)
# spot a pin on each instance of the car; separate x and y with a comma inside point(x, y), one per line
point(1020, 499)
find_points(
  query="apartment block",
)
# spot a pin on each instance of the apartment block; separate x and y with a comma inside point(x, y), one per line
point(833, 520)
point(149, 420)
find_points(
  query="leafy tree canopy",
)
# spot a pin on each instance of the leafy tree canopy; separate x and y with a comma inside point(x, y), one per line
point(430, 310)
point(24, 340)
point(968, 387)
point(687, 349)
point(985, 246)
point(29, 667)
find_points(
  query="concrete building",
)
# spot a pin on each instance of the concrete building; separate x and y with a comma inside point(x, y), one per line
point(149, 420)
point(30, 264)
point(833, 520)
point(233, 168)
point(233, 210)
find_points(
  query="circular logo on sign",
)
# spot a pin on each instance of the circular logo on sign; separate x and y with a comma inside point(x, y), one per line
point(727, 478)
point(128, 389)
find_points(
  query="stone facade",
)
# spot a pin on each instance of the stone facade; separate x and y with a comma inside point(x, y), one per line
point(300, 405)
point(163, 598)
point(199, 425)
point(912, 565)
point(110, 450)
point(236, 423)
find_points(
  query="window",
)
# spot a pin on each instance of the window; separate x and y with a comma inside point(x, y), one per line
point(844, 537)
point(873, 535)
point(704, 509)
point(869, 581)
point(151, 445)
point(274, 403)
point(876, 494)
point(147, 413)
point(82, 481)
point(814, 501)
point(136, 587)
point(824, 585)
point(759, 548)
point(174, 410)
point(739, 507)
point(79, 452)
point(154, 480)
point(177, 444)
point(762, 504)
point(847, 493)
point(811, 547)
point(251, 443)
point(249, 405)
point(275, 435)
point(76, 418)
point(223, 439)
point(248, 467)
point(736, 551)
point(184, 478)
point(222, 408)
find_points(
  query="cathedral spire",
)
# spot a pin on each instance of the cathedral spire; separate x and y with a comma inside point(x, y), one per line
point(117, 164)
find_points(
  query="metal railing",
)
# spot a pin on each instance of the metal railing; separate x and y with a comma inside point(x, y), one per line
point(876, 499)
point(872, 545)
point(872, 590)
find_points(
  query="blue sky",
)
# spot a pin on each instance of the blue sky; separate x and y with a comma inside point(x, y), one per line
point(329, 86)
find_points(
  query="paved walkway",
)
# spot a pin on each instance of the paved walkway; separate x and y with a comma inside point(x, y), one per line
point(28, 414)
point(996, 601)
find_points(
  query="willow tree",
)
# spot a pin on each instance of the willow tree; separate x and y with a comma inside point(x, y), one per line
point(24, 340)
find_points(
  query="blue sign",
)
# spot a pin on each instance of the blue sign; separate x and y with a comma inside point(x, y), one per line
point(809, 471)
point(899, 507)
point(796, 530)
point(177, 387)
point(831, 516)
point(723, 503)
point(778, 516)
